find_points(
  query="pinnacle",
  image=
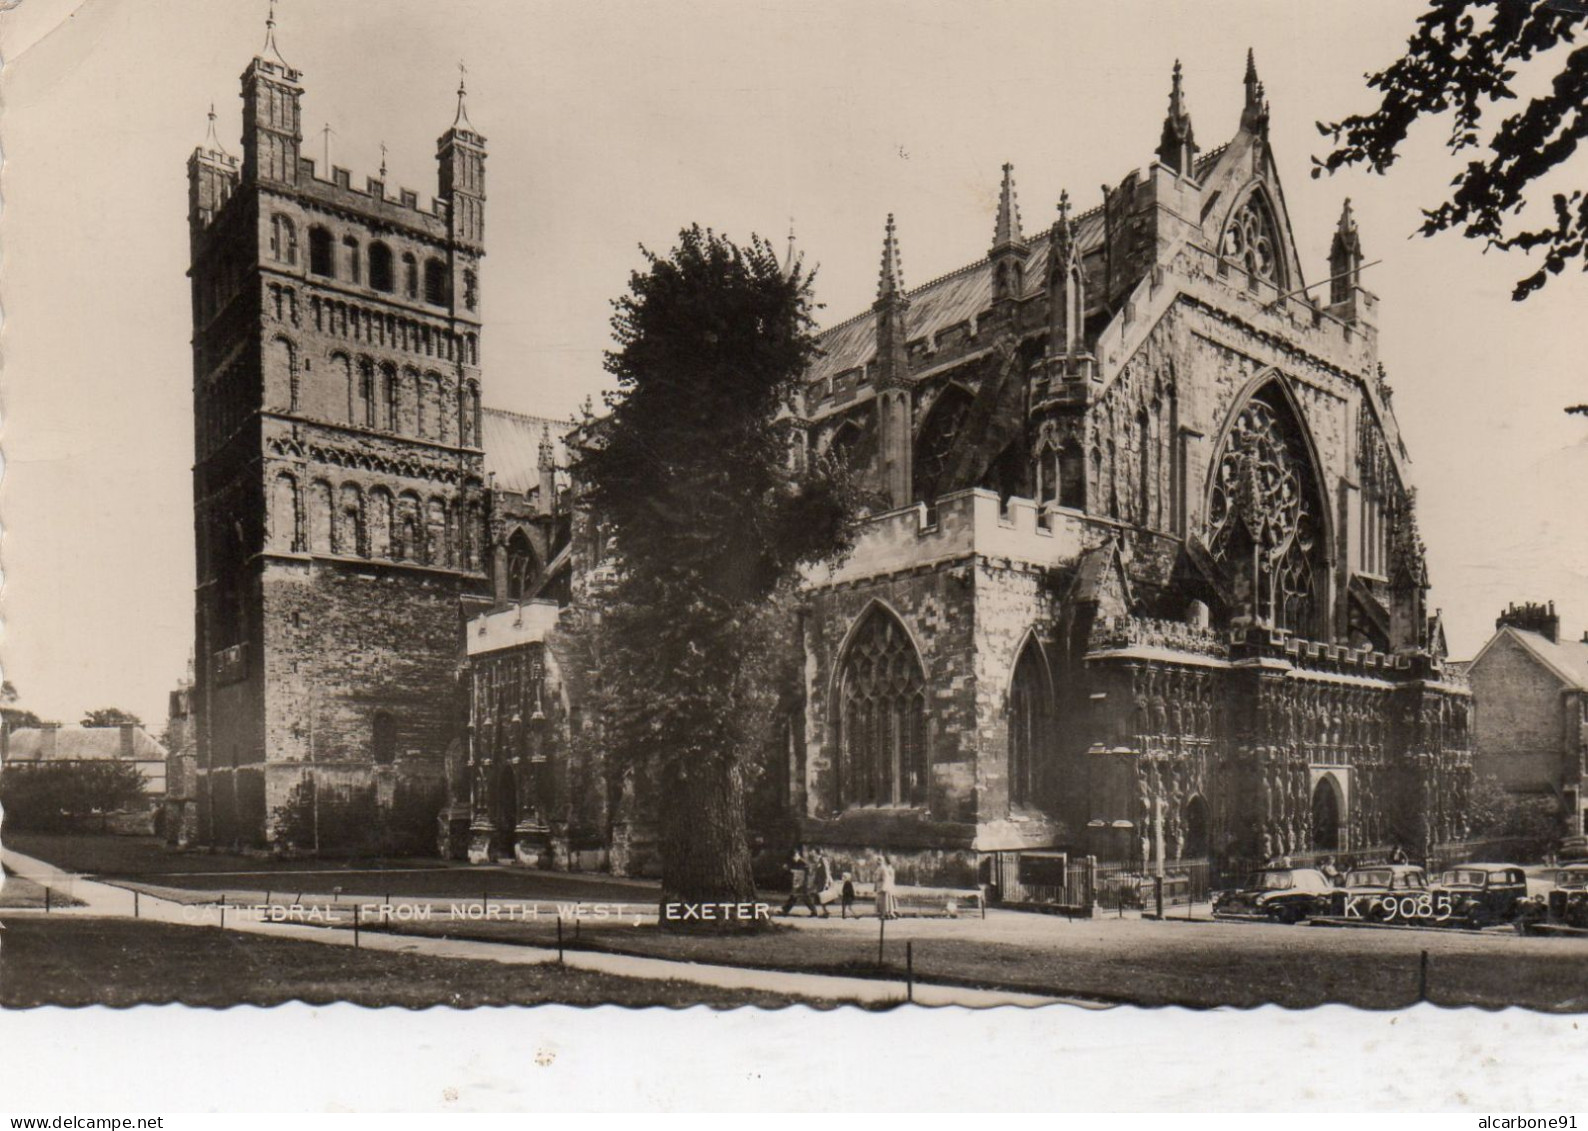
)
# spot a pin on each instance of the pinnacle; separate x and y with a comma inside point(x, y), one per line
point(1007, 231)
point(891, 283)
point(461, 119)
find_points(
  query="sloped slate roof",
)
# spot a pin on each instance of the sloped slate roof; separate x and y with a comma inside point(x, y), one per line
point(512, 447)
point(959, 295)
point(1568, 659)
point(82, 744)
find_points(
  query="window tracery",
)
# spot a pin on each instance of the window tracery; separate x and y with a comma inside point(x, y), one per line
point(882, 717)
point(1264, 526)
point(1251, 242)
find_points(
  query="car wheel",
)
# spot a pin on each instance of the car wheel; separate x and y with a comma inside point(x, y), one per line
point(1288, 915)
point(1480, 917)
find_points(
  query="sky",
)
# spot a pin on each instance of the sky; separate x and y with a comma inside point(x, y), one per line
point(613, 125)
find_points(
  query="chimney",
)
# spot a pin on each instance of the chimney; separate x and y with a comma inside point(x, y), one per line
point(126, 741)
point(1533, 617)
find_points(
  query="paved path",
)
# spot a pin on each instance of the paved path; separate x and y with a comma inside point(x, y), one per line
point(100, 899)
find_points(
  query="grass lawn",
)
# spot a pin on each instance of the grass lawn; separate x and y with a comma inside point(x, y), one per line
point(1198, 965)
point(148, 859)
point(76, 960)
point(20, 892)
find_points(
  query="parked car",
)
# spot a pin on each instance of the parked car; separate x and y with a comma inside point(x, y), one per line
point(1284, 895)
point(1572, 848)
point(1384, 892)
point(1568, 903)
point(1480, 894)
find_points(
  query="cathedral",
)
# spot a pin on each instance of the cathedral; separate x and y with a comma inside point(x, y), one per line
point(1139, 573)
point(1141, 577)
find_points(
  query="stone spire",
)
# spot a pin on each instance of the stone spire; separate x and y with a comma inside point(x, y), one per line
point(1254, 114)
point(1006, 233)
point(270, 50)
point(1177, 149)
point(212, 141)
point(461, 120)
point(890, 285)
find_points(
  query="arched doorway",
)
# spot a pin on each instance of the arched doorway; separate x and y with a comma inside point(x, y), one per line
point(504, 811)
point(1326, 816)
point(1195, 844)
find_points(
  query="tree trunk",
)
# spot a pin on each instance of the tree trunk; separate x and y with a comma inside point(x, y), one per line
point(705, 846)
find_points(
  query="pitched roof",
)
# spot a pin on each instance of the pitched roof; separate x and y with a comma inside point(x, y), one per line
point(959, 295)
point(1567, 659)
point(80, 744)
point(512, 447)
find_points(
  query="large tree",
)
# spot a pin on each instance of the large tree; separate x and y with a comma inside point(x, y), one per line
point(110, 717)
point(1464, 59)
point(710, 517)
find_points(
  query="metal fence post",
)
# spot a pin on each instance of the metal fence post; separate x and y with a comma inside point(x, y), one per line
point(135, 904)
point(882, 934)
point(909, 970)
point(46, 900)
point(1422, 977)
point(355, 926)
point(559, 939)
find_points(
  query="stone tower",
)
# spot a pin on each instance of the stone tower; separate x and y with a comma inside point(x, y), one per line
point(338, 480)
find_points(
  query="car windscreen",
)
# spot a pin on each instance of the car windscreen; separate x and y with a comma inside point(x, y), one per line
point(1274, 881)
point(1370, 878)
point(1466, 876)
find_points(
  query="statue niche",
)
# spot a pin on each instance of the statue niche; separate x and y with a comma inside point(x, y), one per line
point(1265, 519)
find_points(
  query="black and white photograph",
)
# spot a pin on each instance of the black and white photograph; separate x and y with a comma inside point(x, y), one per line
point(1066, 510)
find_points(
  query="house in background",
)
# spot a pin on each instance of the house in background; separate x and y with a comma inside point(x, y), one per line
point(1531, 725)
point(54, 744)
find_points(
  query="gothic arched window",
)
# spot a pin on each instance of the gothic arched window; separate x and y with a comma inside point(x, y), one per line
point(881, 717)
point(1265, 518)
point(283, 240)
point(1251, 243)
point(380, 267)
point(1030, 724)
point(935, 446)
point(435, 282)
point(522, 566)
point(320, 259)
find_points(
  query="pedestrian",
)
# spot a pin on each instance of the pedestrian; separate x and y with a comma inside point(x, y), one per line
point(821, 880)
point(1330, 872)
point(848, 894)
point(1399, 856)
point(799, 881)
point(885, 899)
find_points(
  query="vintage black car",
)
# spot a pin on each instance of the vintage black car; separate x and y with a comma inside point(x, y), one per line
point(1568, 903)
point(1477, 895)
point(1284, 895)
point(1385, 893)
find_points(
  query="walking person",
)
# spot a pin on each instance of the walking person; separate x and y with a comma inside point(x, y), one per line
point(821, 879)
point(847, 894)
point(885, 900)
point(799, 882)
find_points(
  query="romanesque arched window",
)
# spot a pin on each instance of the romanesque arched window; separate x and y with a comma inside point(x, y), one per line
point(283, 240)
point(410, 275)
point(881, 717)
point(935, 446)
point(320, 518)
point(435, 395)
point(522, 566)
point(351, 254)
point(380, 267)
point(438, 543)
point(1251, 243)
point(362, 411)
point(1030, 724)
point(284, 358)
point(407, 542)
point(471, 290)
point(350, 522)
point(435, 282)
point(381, 523)
point(383, 738)
point(391, 397)
point(1266, 518)
point(284, 520)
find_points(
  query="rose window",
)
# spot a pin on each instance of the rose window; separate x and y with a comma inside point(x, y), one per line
point(1263, 523)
